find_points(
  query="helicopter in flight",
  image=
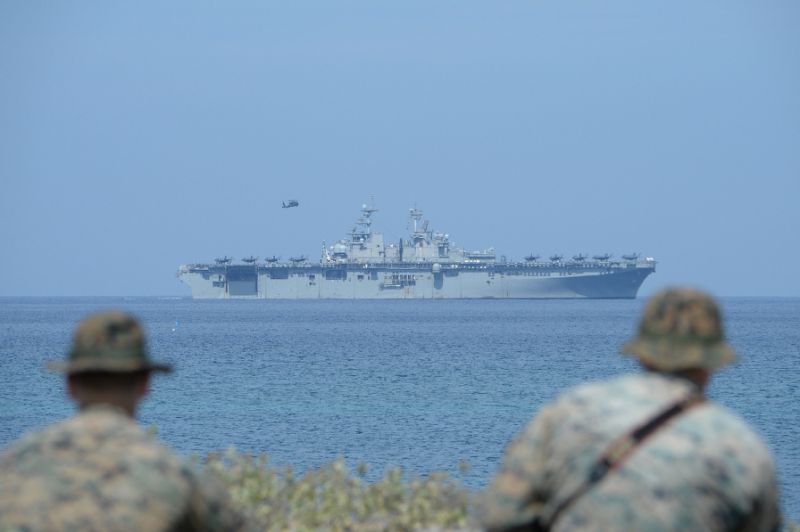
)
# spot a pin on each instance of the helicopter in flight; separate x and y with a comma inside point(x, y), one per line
point(290, 203)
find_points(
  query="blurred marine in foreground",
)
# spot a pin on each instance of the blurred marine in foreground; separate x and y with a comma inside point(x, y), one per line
point(643, 451)
point(99, 470)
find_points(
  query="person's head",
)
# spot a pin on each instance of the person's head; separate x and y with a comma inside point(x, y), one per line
point(681, 333)
point(108, 362)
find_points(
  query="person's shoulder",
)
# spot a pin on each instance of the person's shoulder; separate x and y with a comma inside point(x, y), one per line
point(620, 387)
point(725, 416)
point(100, 436)
point(33, 442)
point(578, 401)
point(729, 428)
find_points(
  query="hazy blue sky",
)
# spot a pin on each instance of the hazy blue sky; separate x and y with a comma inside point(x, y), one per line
point(137, 138)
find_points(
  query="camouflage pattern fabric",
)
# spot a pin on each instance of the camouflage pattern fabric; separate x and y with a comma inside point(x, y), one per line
point(100, 471)
point(704, 470)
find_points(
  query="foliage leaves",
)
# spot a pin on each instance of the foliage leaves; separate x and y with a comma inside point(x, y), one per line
point(335, 498)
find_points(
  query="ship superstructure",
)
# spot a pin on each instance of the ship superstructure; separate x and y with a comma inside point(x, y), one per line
point(426, 265)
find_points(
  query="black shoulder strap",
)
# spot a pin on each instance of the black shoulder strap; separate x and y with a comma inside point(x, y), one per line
point(620, 449)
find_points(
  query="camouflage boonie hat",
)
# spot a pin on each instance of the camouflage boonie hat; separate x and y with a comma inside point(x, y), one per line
point(681, 328)
point(109, 341)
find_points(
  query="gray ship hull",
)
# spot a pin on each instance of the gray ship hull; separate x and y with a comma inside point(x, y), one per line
point(429, 281)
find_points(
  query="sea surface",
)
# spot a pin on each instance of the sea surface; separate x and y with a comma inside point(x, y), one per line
point(418, 384)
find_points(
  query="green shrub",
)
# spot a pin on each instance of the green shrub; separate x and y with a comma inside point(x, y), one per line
point(334, 498)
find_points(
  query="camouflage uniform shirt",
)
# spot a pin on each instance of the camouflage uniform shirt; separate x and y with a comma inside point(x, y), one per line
point(703, 470)
point(100, 471)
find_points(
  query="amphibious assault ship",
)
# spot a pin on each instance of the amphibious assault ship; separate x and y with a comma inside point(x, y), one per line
point(424, 266)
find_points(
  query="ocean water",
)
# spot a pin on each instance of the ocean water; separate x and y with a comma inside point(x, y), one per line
point(419, 384)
